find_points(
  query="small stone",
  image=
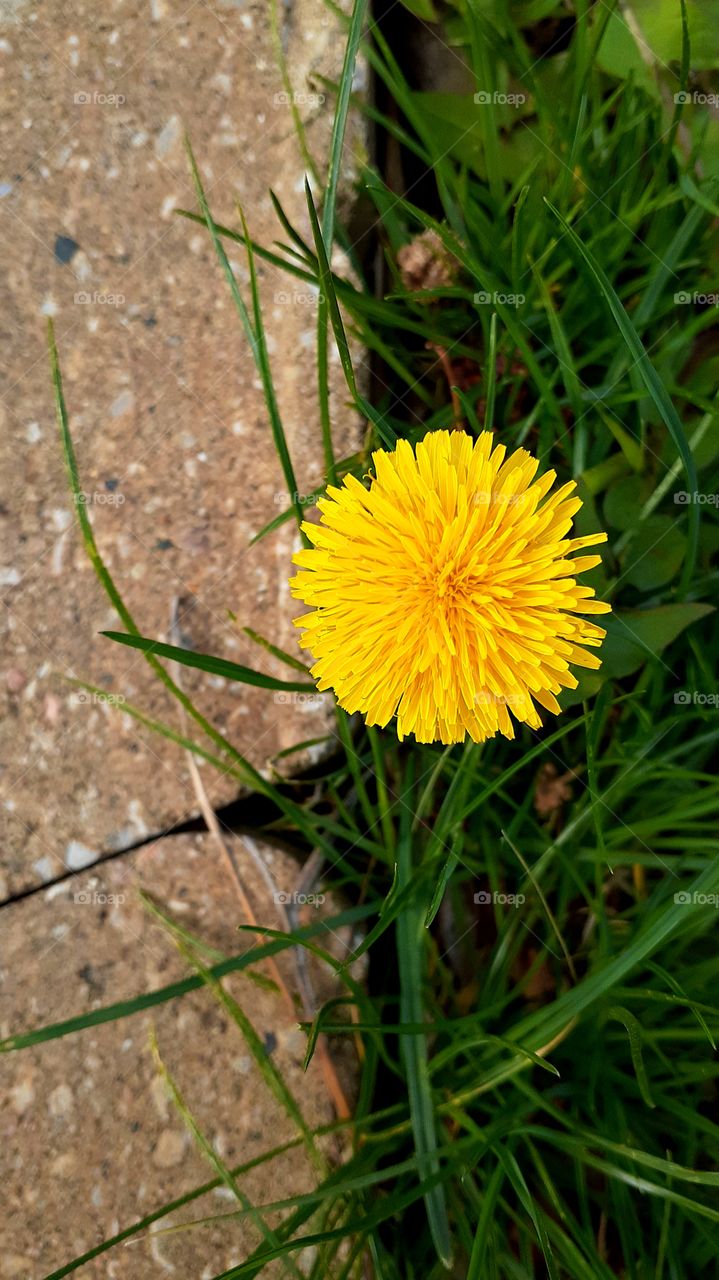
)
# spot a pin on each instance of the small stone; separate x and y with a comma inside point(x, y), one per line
point(65, 249)
point(17, 1264)
point(167, 137)
point(77, 856)
point(61, 1101)
point(15, 680)
point(123, 404)
point(169, 1150)
point(82, 267)
point(22, 1095)
point(51, 708)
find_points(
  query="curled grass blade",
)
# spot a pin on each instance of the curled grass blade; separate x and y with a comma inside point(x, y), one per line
point(634, 1031)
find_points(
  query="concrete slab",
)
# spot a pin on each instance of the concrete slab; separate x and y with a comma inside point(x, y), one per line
point(170, 426)
point(90, 1141)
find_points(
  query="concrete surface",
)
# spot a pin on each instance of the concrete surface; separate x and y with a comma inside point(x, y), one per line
point(91, 1142)
point(170, 427)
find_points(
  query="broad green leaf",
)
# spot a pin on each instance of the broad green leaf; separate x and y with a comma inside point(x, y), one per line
point(661, 25)
point(606, 473)
point(653, 554)
point(630, 447)
point(620, 55)
point(633, 638)
point(624, 501)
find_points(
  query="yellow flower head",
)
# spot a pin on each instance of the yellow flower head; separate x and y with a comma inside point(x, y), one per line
point(446, 592)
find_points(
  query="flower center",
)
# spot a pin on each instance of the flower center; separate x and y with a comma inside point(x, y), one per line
point(447, 581)
point(451, 583)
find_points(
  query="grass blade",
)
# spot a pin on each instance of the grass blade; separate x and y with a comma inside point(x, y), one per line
point(339, 123)
point(206, 662)
point(151, 999)
point(224, 1174)
point(255, 335)
point(410, 953)
point(267, 1068)
point(653, 384)
point(103, 575)
point(327, 291)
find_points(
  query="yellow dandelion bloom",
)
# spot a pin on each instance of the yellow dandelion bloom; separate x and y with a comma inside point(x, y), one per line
point(445, 593)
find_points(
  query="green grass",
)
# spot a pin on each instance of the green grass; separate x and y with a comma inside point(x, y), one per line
point(538, 1091)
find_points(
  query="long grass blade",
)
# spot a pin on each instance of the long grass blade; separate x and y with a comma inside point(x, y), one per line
point(206, 662)
point(410, 953)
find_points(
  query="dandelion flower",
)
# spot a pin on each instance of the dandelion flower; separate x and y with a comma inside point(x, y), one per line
point(446, 592)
